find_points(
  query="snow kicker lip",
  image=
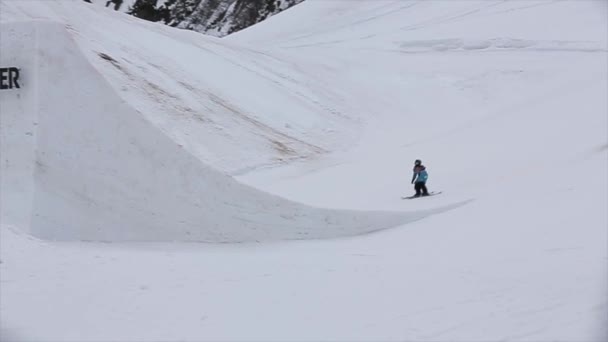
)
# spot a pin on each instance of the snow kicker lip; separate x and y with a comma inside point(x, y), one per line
point(84, 165)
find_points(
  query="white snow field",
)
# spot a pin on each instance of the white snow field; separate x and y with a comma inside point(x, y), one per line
point(154, 144)
point(82, 164)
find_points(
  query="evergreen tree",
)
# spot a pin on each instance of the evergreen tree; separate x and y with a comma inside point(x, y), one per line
point(218, 17)
point(181, 9)
point(145, 9)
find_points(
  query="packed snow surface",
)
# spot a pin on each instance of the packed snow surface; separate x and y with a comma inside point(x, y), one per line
point(82, 164)
point(305, 126)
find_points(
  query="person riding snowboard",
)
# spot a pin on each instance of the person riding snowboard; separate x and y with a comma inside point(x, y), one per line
point(419, 179)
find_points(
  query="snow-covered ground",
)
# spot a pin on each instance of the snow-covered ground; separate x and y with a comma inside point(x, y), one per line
point(504, 101)
point(96, 169)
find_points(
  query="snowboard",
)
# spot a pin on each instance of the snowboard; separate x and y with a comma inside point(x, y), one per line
point(432, 193)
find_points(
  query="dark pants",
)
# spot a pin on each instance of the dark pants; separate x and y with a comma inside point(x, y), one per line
point(420, 186)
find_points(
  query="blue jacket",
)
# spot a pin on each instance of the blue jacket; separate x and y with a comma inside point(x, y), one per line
point(420, 174)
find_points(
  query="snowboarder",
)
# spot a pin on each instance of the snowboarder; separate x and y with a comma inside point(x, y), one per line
point(419, 179)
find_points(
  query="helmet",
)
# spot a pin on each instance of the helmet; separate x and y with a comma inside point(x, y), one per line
point(418, 162)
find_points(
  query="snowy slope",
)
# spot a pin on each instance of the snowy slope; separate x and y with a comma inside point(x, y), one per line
point(100, 171)
point(384, 23)
point(505, 102)
point(471, 102)
point(199, 89)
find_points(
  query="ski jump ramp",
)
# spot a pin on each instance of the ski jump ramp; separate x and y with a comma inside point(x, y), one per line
point(79, 163)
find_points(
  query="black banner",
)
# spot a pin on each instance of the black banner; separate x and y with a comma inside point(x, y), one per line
point(9, 78)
